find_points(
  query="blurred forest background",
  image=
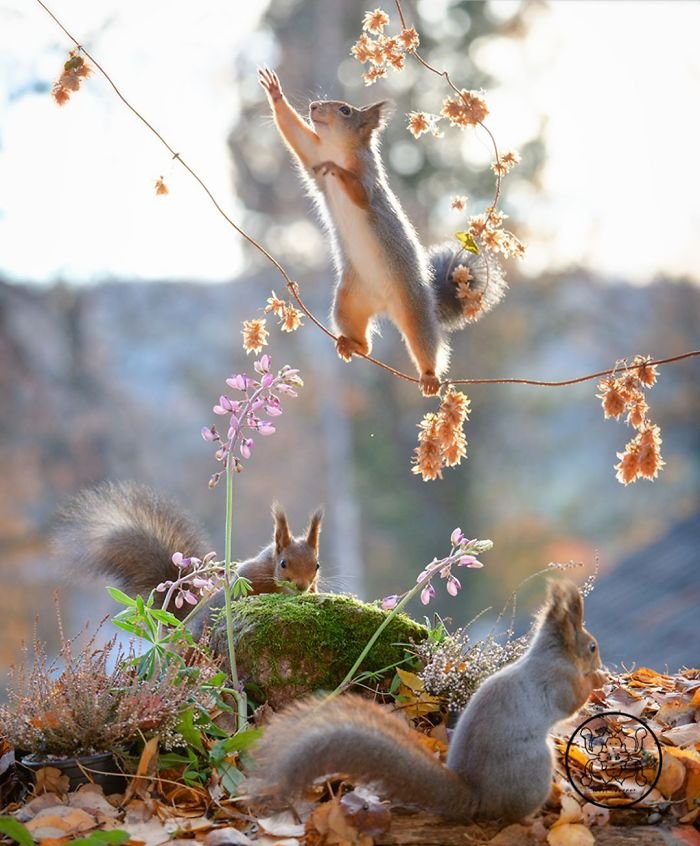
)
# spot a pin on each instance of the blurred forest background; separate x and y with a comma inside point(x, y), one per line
point(114, 379)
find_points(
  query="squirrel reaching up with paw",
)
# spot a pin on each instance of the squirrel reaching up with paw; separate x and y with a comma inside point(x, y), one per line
point(499, 762)
point(129, 533)
point(382, 266)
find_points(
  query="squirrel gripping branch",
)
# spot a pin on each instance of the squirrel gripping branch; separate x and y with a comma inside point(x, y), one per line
point(499, 764)
point(382, 266)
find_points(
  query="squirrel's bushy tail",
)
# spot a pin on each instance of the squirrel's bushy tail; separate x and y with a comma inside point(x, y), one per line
point(127, 532)
point(353, 736)
point(487, 279)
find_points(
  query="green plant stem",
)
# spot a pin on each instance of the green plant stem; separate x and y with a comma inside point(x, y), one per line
point(239, 694)
point(380, 628)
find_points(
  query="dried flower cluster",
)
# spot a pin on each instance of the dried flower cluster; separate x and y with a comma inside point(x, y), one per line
point(455, 667)
point(257, 395)
point(84, 707)
point(75, 70)
point(255, 335)
point(289, 316)
point(624, 392)
point(462, 554)
point(441, 440)
point(160, 187)
point(382, 52)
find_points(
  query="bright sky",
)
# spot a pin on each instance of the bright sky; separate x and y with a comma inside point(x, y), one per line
point(616, 82)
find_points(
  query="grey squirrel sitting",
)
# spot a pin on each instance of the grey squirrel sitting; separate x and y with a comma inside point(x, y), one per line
point(499, 763)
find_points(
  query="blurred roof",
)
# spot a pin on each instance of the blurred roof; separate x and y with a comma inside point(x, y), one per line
point(647, 609)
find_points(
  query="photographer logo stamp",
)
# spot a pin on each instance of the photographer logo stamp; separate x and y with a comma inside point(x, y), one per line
point(613, 756)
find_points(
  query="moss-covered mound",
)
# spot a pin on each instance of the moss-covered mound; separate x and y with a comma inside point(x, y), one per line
point(289, 646)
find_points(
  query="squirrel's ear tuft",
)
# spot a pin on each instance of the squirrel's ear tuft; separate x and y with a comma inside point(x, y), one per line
point(314, 530)
point(377, 115)
point(563, 611)
point(282, 534)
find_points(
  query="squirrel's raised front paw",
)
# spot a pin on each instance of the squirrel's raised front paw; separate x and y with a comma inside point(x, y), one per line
point(429, 384)
point(324, 169)
point(347, 347)
point(270, 82)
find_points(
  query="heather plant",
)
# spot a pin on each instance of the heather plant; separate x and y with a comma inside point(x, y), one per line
point(91, 700)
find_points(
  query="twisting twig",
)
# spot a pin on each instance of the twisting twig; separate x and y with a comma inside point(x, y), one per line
point(292, 286)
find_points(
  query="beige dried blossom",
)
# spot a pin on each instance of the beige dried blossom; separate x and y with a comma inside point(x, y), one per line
point(375, 21)
point(161, 187)
point(647, 373)
point(373, 74)
point(441, 440)
point(418, 123)
point(255, 335)
point(74, 71)
point(477, 225)
point(275, 305)
point(611, 397)
point(409, 38)
point(459, 203)
point(625, 392)
point(461, 275)
point(628, 467)
point(468, 109)
point(427, 456)
point(361, 49)
point(290, 318)
point(505, 163)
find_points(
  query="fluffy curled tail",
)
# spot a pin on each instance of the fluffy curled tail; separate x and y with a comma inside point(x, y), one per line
point(128, 533)
point(484, 286)
point(355, 737)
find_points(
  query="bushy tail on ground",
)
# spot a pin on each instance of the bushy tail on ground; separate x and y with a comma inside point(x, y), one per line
point(358, 738)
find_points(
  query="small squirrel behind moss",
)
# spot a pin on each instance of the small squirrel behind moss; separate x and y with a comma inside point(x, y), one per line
point(129, 533)
point(382, 266)
point(499, 763)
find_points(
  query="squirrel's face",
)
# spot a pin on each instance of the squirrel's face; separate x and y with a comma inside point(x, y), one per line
point(298, 567)
point(296, 559)
point(346, 126)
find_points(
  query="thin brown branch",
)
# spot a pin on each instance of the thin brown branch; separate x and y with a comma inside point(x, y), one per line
point(292, 286)
point(445, 75)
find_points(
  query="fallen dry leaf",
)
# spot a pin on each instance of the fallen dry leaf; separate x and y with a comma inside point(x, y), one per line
point(51, 780)
point(366, 812)
point(512, 835)
point(141, 782)
point(672, 776)
point(570, 834)
point(281, 825)
point(687, 735)
point(60, 821)
point(227, 837)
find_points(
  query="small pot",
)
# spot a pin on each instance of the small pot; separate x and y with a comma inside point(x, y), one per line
point(100, 769)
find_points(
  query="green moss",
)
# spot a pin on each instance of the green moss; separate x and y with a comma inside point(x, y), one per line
point(289, 646)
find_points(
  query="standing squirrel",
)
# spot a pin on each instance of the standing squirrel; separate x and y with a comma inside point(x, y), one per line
point(499, 762)
point(129, 533)
point(382, 266)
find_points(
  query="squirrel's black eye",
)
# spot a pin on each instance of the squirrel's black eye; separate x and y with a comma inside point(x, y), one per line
point(318, 566)
point(592, 646)
point(283, 563)
point(345, 110)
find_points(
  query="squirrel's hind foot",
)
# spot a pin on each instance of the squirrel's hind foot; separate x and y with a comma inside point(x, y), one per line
point(429, 384)
point(347, 347)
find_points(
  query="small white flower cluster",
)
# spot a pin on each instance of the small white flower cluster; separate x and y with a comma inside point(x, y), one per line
point(455, 667)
